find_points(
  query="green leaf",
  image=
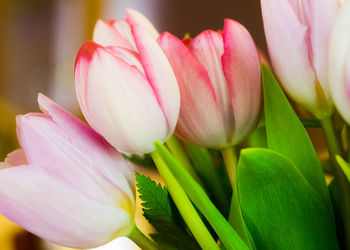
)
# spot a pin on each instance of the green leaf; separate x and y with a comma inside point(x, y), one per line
point(344, 166)
point(280, 208)
point(258, 138)
point(311, 123)
point(287, 135)
point(158, 210)
point(337, 213)
point(144, 160)
point(228, 236)
point(209, 175)
point(237, 221)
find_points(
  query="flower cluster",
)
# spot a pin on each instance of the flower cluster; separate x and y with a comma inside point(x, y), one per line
point(69, 183)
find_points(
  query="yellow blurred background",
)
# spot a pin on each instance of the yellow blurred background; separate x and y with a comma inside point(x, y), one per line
point(38, 43)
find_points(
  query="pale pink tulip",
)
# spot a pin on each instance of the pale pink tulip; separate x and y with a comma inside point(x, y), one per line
point(219, 79)
point(118, 32)
point(130, 98)
point(339, 64)
point(66, 184)
point(297, 34)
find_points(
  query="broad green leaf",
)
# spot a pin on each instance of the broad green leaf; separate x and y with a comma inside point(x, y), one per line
point(287, 135)
point(228, 236)
point(157, 209)
point(280, 208)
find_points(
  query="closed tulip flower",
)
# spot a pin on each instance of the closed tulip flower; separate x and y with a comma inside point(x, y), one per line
point(118, 32)
point(339, 64)
point(131, 99)
point(66, 184)
point(297, 34)
point(219, 79)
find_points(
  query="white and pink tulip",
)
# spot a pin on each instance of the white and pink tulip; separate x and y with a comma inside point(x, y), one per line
point(66, 184)
point(131, 98)
point(297, 34)
point(219, 79)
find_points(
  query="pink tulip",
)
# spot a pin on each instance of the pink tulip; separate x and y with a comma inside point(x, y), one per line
point(118, 32)
point(219, 78)
point(297, 34)
point(131, 99)
point(66, 184)
point(339, 64)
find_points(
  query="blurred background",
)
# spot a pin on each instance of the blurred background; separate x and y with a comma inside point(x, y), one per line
point(39, 41)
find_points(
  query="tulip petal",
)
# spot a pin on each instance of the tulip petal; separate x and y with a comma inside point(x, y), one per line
point(124, 29)
point(16, 158)
point(287, 42)
point(81, 69)
point(47, 146)
point(105, 159)
point(106, 35)
point(128, 56)
point(319, 16)
point(160, 75)
point(51, 209)
point(339, 63)
point(122, 107)
point(134, 17)
point(200, 120)
point(241, 65)
point(208, 48)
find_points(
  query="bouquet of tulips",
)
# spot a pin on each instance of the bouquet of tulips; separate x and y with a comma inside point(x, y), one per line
point(238, 166)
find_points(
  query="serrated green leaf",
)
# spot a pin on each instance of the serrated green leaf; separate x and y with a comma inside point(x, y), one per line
point(158, 210)
point(154, 196)
point(287, 135)
point(280, 208)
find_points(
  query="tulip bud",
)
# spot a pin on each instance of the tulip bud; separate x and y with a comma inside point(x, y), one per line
point(339, 64)
point(219, 79)
point(66, 184)
point(131, 99)
point(118, 32)
point(297, 34)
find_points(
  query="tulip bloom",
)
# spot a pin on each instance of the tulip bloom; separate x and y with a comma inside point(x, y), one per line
point(219, 78)
point(131, 99)
point(297, 34)
point(339, 64)
point(66, 184)
point(118, 32)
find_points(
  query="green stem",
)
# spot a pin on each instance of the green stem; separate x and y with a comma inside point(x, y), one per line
point(332, 140)
point(340, 179)
point(186, 209)
point(141, 240)
point(176, 149)
point(228, 236)
point(230, 160)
